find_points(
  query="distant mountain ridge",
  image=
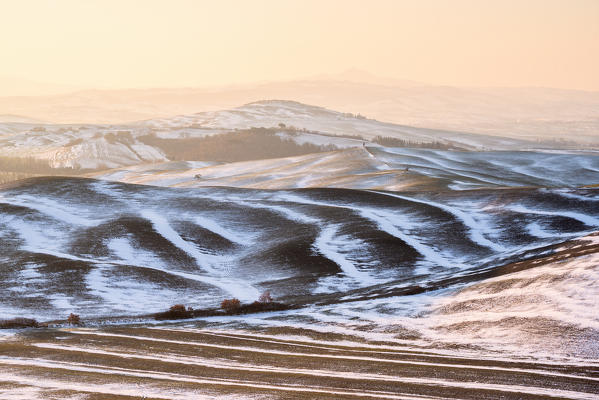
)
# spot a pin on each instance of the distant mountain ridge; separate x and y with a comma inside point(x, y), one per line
point(19, 119)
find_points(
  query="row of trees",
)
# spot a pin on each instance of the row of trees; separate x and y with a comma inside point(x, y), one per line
point(15, 168)
point(241, 145)
point(31, 165)
point(395, 142)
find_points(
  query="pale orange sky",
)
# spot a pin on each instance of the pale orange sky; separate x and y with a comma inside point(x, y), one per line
point(147, 43)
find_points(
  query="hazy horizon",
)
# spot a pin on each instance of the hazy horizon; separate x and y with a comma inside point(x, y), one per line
point(19, 87)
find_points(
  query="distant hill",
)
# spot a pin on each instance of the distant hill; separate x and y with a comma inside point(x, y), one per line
point(516, 112)
point(19, 119)
point(292, 128)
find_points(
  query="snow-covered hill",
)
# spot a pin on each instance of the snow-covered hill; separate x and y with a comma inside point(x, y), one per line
point(104, 146)
point(104, 249)
point(515, 112)
point(75, 146)
point(375, 167)
point(272, 113)
point(89, 244)
point(19, 119)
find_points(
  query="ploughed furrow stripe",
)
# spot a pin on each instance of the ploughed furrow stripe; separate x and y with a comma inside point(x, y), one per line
point(359, 347)
point(364, 378)
point(306, 343)
point(112, 371)
point(469, 389)
point(514, 370)
point(24, 387)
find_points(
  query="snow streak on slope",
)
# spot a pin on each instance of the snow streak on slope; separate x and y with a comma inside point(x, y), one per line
point(108, 241)
point(536, 309)
point(397, 296)
point(548, 307)
point(376, 167)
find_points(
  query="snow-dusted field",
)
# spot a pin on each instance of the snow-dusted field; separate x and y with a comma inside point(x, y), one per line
point(410, 272)
point(467, 294)
point(102, 248)
point(376, 167)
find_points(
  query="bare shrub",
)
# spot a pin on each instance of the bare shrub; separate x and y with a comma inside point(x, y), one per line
point(74, 319)
point(177, 308)
point(178, 311)
point(230, 305)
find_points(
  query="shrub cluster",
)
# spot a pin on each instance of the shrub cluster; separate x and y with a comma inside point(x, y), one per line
point(230, 305)
point(178, 311)
point(16, 323)
point(227, 307)
point(74, 319)
point(177, 308)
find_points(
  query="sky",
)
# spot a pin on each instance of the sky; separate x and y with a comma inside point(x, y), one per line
point(175, 43)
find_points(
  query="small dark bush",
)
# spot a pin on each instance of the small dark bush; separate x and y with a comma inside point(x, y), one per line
point(177, 308)
point(16, 323)
point(74, 319)
point(178, 311)
point(230, 305)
